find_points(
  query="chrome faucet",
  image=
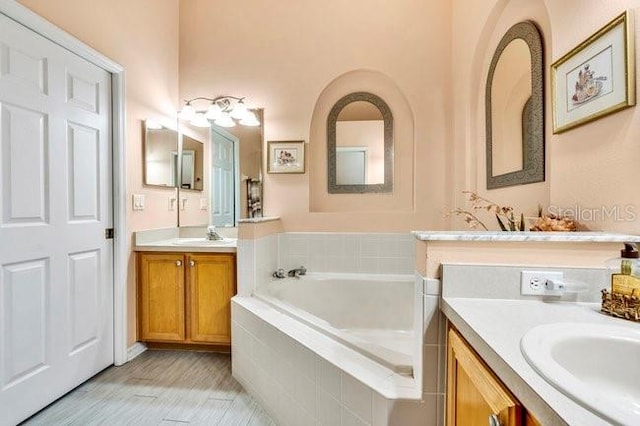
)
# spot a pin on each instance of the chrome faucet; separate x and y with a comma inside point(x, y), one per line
point(212, 235)
point(297, 272)
point(279, 273)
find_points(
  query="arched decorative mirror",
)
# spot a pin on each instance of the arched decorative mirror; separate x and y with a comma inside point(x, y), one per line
point(514, 103)
point(360, 145)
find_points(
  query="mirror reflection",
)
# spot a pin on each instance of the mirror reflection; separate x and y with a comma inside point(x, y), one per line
point(232, 173)
point(160, 155)
point(515, 109)
point(510, 93)
point(192, 172)
point(360, 145)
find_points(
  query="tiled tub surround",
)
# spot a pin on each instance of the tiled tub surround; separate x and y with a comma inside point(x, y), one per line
point(351, 253)
point(485, 305)
point(301, 375)
point(323, 252)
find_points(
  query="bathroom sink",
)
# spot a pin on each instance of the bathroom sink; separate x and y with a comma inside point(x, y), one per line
point(203, 242)
point(596, 365)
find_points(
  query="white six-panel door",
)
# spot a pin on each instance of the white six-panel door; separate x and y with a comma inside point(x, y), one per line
point(56, 267)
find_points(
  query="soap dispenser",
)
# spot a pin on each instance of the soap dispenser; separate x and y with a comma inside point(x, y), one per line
point(625, 276)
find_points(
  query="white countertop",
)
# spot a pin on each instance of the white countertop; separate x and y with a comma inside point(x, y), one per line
point(169, 245)
point(602, 237)
point(182, 240)
point(494, 328)
point(259, 219)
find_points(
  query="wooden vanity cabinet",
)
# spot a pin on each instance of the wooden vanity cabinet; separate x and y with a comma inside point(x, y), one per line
point(475, 396)
point(185, 298)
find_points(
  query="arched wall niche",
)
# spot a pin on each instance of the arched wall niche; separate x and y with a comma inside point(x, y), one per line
point(468, 151)
point(402, 197)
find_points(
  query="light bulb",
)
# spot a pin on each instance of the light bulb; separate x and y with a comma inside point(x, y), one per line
point(225, 121)
point(250, 120)
point(239, 111)
point(214, 111)
point(200, 120)
point(187, 112)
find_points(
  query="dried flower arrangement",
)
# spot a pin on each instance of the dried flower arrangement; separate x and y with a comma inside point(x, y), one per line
point(507, 219)
point(504, 214)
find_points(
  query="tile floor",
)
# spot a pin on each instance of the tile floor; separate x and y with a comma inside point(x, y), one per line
point(159, 388)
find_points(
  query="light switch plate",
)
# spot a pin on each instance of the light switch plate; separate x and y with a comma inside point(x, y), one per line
point(138, 202)
point(172, 203)
point(203, 203)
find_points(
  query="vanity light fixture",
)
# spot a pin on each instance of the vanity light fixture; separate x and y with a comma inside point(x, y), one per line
point(224, 111)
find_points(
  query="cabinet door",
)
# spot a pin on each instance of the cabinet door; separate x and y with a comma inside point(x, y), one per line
point(161, 297)
point(474, 394)
point(211, 285)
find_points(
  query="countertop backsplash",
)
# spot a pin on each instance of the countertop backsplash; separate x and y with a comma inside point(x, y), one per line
point(503, 282)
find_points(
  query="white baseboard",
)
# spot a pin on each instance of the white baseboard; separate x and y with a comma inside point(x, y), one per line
point(135, 350)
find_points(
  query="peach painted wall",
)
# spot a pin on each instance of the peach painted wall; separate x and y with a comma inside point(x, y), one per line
point(595, 166)
point(589, 168)
point(142, 36)
point(282, 55)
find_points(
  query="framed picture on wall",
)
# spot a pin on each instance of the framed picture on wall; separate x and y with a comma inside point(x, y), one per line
point(285, 157)
point(596, 78)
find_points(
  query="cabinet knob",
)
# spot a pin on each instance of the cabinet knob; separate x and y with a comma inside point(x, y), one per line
point(192, 263)
point(494, 420)
point(178, 262)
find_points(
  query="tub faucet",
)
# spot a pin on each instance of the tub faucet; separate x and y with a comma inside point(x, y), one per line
point(279, 273)
point(297, 272)
point(212, 235)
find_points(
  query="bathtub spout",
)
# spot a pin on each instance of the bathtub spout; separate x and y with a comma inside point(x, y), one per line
point(279, 273)
point(297, 272)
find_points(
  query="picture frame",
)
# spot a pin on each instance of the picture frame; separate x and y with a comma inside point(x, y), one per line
point(596, 78)
point(285, 157)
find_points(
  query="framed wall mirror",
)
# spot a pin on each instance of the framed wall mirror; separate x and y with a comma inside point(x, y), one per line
point(160, 155)
point(360, 145)
point(514, 108)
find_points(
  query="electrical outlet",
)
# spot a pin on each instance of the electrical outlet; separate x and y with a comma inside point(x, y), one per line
point(542, 283)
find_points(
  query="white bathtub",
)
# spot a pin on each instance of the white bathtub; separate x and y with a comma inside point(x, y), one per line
point(370, 313)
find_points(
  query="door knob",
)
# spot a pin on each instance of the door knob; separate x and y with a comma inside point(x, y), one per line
point(192, 263)
point(178, 262)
